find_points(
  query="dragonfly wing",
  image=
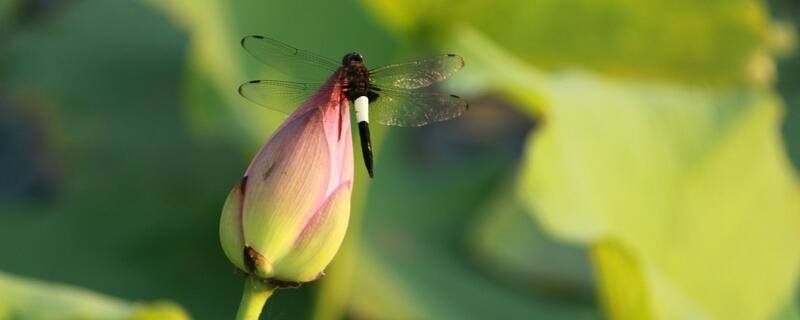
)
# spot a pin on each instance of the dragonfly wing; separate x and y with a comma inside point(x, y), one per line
point(287, 59)
point(417, 74)
point(281, 96)
point(404, 108)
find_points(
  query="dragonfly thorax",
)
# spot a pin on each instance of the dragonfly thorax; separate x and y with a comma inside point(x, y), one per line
point(355, 78)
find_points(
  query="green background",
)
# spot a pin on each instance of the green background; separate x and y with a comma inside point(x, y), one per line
point(121, 133)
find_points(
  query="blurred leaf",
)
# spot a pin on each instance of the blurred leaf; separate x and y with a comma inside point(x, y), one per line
point(34, 299)
point(135, 211)
point(695, 183)
point(699, 41)
point(789, 77)
point(8, 9)
point(789, 312)
point(620, 282)
point(215, 70)
point(391, 286)
point(510, 245)
point(415, 245)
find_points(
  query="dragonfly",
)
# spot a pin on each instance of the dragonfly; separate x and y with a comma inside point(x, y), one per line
point(392, 95)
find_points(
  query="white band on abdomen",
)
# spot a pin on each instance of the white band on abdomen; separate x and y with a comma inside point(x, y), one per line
point(362, 109)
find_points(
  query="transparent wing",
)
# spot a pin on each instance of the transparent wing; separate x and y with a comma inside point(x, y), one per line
point(417, 74)
point(289, 60)
point(413, 109)
point(281, 96)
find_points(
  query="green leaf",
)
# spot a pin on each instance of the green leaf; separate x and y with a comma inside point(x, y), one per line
point(790, 311)
point(34, 299)
point(699, 41)
point(215, 71)
point(695, 183)
point(511, 246)
point(8, 10)
point(416, 248)
point(621, 284)
point(108, 107)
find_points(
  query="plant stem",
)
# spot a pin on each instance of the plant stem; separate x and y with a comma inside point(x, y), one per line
point(254, 297)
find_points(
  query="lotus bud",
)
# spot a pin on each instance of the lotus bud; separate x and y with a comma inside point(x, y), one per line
point(285, 220)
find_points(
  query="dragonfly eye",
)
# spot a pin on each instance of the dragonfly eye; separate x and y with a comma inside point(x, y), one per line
point(352, 57)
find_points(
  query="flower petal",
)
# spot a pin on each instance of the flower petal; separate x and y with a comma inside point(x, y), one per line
point(317, 243)
point(230, 226)
point(286, 181)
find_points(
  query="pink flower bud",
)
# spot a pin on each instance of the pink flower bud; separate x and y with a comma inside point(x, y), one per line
point(285, 220)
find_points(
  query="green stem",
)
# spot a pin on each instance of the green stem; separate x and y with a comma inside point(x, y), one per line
point(254, 297)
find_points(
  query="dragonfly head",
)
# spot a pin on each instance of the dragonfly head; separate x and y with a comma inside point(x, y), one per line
point(352, 58)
